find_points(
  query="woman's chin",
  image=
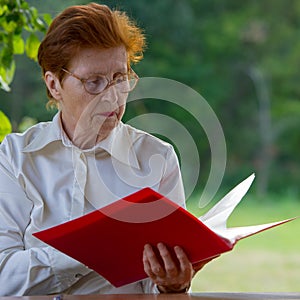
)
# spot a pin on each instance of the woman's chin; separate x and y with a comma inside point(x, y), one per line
point(107, 127)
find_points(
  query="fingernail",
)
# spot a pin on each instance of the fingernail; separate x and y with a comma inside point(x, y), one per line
point(177, 248)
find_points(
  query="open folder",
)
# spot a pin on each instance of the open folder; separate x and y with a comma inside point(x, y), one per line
point(111, 240)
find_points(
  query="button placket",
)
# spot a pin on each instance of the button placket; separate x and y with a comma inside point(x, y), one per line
point(80, 172)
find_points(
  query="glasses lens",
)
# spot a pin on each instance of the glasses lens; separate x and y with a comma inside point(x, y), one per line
point(132, 79)
point(95, 84)
point(125, 82)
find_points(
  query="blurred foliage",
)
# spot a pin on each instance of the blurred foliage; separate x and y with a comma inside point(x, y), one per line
point(242, 56)
point(26, 123)
point(17, 16)
point(5, 126)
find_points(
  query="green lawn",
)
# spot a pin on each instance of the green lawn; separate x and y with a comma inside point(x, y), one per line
point(266, 262)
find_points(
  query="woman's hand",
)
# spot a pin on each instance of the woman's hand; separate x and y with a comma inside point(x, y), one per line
point(170, 276)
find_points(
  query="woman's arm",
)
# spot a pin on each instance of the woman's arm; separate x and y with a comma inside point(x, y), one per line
point(27, 271)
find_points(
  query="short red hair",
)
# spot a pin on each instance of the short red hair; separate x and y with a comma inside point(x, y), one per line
point(88, 26)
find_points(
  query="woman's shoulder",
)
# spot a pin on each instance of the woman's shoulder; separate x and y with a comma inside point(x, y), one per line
point(18, 141)
point(146, 139)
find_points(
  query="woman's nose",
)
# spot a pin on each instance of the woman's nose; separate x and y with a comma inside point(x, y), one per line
point(111, 94)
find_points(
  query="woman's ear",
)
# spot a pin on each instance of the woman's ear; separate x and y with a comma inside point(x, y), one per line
point(53, 85)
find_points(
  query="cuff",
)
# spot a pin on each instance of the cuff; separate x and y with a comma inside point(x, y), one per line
point(66, 269)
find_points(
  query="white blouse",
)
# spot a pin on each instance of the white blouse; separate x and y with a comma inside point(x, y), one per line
point(45, 180)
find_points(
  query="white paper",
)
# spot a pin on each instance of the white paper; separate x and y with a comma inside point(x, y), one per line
point(216, 218)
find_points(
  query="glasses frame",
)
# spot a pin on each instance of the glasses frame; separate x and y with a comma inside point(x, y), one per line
point(109, 82)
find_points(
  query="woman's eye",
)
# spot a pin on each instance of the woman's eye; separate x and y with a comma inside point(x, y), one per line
point(96, 82)
point(119, 77)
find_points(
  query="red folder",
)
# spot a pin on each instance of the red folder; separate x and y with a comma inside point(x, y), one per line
point(111, 240)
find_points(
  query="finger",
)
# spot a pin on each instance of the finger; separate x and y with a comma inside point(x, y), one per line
point(155, 266)
point(169, 264)
point(147, 267)
point(185, 264)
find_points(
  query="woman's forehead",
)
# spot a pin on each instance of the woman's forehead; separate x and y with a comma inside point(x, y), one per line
point(100, 57)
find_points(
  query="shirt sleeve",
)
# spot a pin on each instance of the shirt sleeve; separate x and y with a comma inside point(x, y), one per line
point(149, 287)
point(24, 271)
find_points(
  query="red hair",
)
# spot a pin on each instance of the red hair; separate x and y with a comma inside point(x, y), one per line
point(87, 26)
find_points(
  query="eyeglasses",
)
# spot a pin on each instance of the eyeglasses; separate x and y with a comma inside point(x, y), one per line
point(98, 83)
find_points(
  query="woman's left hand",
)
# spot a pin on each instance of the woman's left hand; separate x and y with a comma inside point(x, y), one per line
point(169, 276)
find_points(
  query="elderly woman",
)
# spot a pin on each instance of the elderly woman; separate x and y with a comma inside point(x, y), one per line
point(84, 159)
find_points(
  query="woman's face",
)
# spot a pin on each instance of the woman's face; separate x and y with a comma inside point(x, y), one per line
point(87, 118)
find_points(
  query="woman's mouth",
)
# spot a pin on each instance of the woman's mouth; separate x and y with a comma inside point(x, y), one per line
point(108, 114)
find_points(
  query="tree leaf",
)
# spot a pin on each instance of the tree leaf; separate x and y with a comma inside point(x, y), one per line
point(31, 46)
point(3, 85)
point(9, 26)
point(7, 72)
point(5, 126)
point(10, 72)
point(47, 19)
point(18, 44)
point(3, 9)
